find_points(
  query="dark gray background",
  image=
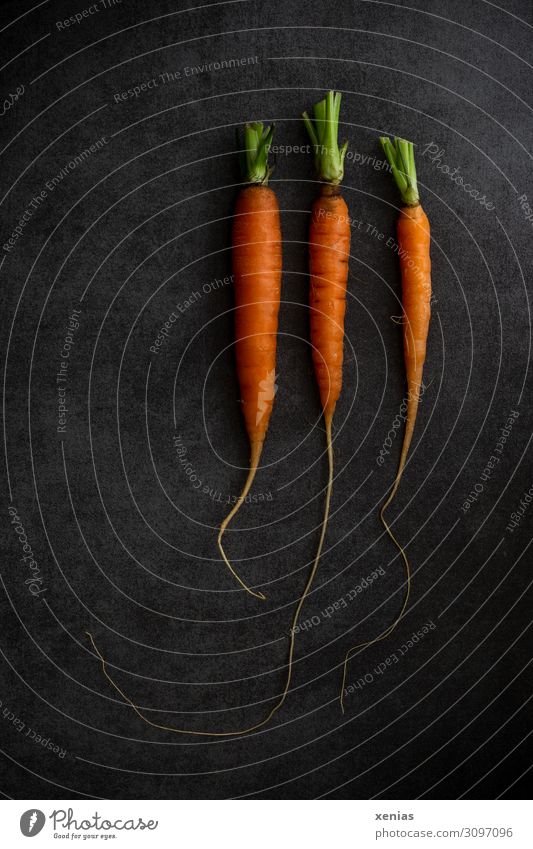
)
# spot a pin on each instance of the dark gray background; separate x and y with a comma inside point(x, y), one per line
point(126, 547)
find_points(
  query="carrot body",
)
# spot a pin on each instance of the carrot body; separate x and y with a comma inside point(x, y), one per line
point(415, 264)
point(329, 250)
point(257, 285)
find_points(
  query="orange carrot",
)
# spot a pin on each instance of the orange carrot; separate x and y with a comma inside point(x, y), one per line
point(329, 251)
point(257, 282)
point(415, 264)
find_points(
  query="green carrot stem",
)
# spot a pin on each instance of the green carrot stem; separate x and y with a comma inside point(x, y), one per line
point(401, 157)
point(254, 159)
point(323, 129)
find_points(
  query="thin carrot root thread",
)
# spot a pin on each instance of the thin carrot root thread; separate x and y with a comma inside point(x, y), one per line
point(292, 640)
point(257, 270)
point(254, 462)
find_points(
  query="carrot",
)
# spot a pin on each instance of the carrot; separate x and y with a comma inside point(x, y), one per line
point(329, 250)
point(415, 264)
point(257, 282)
point(197, 733)
point(257, 273)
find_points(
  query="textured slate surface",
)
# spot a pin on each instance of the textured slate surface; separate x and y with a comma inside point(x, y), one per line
point(125, 542)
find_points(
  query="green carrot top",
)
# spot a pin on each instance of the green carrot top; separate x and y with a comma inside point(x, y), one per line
point(254, 158)
point(323, 131)
point(401, 158)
